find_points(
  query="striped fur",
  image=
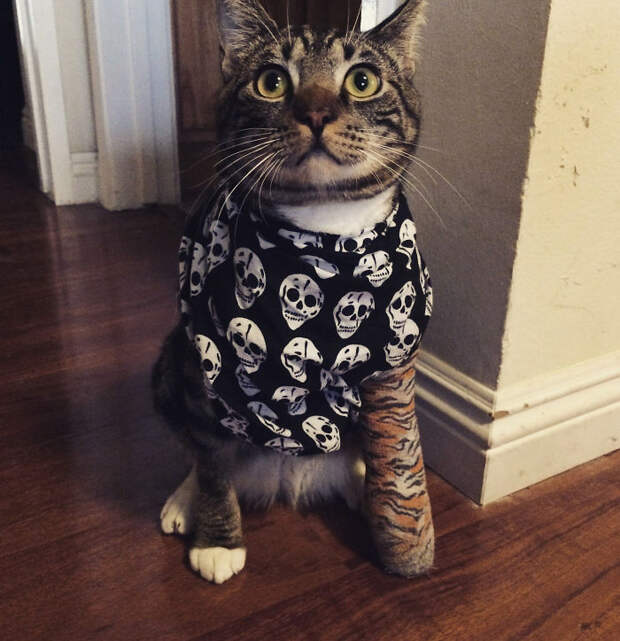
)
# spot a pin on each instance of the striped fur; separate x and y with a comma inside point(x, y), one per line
point(397, 503)
point(365, 143)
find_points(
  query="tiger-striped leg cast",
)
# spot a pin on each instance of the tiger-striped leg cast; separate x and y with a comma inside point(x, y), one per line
point(397, 503)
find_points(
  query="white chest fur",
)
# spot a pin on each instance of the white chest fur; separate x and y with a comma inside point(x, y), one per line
point(342, 218)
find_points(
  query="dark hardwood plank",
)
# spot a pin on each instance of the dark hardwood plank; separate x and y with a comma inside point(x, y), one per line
point(86, 297)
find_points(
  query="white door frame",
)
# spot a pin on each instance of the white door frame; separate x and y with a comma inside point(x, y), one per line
point(36, 22)
point(132, 67)
point(374, 11)
point(130, 48)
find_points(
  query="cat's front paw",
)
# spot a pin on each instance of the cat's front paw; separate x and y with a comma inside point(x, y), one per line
point(175, 516)
point(217, 564)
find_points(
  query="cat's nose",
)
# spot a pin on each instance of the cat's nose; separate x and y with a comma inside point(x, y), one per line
point(315, 107)
point(317, 120)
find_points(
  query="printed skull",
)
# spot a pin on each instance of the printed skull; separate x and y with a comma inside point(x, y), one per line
point(198, 269)
point(400, 348)
point(349, 358)
point(377, 267)
point(237, 424)
point(323, 432)
point(295, 397)
point(217, 243)
point(401, 306)
point(267, 417)
point(340, 396)
point(296, 356)
point(322, 268)
point(186, 318)
point(300, 239)
point(301, 299)
point(248, 342)
point(245, 382)
point(183, 255)
point(352, 310)
point(217, 323)
point(250, 277)
point(407, 235)
point(285, 445)
point(210, 357)
point(425, 281)
point(356, 244)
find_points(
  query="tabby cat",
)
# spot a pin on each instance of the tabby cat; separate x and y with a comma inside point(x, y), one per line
point(315, 129)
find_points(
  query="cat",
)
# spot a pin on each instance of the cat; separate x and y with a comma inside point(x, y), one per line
point(315, 129)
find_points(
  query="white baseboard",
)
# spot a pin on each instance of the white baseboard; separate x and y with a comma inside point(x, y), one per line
point(85, 170)
point(491, 443)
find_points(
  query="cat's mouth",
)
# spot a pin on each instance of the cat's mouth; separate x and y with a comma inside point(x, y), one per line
point(318, 149)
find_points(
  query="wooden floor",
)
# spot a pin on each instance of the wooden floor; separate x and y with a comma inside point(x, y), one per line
point(86, 298)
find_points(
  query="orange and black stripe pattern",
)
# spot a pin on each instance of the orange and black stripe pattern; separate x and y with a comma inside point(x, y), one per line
point(397, 503)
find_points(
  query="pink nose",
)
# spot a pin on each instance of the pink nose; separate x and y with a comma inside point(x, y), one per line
point(316, 106)
point(318, 119)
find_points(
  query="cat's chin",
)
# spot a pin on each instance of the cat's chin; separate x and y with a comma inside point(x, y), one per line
point(320, 169)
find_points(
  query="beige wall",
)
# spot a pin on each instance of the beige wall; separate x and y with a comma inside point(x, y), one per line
point(565, 298)
point(478, 76)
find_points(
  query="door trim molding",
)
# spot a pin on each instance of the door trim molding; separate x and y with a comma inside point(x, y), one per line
point(131, 53)
point(36, 21)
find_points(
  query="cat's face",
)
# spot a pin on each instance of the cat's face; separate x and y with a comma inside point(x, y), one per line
point(307, 116)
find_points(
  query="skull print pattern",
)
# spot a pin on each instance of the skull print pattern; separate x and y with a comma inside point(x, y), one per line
point(288, 324)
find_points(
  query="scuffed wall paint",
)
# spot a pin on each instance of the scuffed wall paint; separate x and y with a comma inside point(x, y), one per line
point(565, 299)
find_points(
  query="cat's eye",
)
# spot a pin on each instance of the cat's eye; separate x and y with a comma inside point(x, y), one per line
point(362, 83)
point(273, 83)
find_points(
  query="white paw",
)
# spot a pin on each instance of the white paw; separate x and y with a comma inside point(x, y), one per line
point(175, 516)
point(217, 564)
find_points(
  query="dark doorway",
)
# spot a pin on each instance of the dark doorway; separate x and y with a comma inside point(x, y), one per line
point(11, 89)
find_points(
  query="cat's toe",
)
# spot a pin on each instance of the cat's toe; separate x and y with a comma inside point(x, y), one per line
point(217, 564)
point(175, 516)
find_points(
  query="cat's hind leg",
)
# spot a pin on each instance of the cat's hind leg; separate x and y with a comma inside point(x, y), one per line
point(217, 552)
point(176, 515)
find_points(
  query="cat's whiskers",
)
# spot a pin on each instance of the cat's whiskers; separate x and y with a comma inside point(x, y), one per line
point(246, 151)
point(288, 22)
point(404, 154)
point(272, 169)
point(349, 35)
point(421, 163)
point(424, 165)
point(227, 146)
point(264, 158)
point(261, 175)
point(276, 174)
point(403, 169)
point(401, 177)
point(373, 132)
point(239, 142)
point(222, 180)
point(264, 24)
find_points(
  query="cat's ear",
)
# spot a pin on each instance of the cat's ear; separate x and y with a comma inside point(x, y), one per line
point(241, 22)
point(401, 31)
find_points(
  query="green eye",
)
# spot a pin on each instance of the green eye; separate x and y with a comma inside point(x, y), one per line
point(273, 83)
point(362, 82)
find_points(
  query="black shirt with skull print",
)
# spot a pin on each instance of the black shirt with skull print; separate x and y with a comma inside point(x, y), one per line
point(287, 323)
